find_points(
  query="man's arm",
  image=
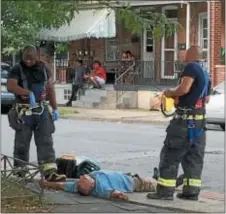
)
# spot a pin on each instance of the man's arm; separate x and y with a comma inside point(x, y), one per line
point(113, 194)
point(187, 80)
point(118, 195)
point(183, 88)
point(50, 90)
point(12, 82)
point(52, 185)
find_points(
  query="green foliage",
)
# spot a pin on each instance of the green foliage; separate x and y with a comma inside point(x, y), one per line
point(23, 20)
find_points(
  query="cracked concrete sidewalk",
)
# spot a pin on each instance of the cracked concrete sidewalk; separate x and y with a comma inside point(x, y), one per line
point(212, 202)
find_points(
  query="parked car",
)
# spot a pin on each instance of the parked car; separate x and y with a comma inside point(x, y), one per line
point(7, 98)
point(215, 107)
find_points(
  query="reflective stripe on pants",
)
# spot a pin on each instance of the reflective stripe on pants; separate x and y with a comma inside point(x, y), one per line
point(167, 182)
point(192, 182)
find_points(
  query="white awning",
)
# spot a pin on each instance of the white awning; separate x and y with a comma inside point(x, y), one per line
point(85, 24)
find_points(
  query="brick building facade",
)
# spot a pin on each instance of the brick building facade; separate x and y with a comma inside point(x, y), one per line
point(203, 24)
point(206, 26)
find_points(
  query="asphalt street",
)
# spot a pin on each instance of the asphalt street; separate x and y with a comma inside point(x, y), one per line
point(124, 147)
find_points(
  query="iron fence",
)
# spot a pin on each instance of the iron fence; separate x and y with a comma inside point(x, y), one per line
point(9, 179)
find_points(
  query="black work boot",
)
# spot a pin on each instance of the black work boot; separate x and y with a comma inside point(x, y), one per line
point(157, 196)
point(188, 197)
point(162, 193)
point(54, 177)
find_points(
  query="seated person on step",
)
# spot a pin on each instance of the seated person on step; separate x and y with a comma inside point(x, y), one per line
point(107, 184)
point(97, 77)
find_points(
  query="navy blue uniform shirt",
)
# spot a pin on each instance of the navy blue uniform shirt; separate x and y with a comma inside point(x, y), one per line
point(194, 71)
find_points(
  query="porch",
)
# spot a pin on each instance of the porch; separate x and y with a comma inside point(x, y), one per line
point(157, 60)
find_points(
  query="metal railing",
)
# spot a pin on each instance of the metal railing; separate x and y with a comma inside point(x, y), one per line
point(126, 75)
point(8, 178)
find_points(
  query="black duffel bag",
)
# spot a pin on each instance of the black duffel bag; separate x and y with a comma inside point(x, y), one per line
point(74, 168)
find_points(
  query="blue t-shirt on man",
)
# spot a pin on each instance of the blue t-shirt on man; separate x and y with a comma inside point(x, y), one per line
point(105, 183)
point(108, 181)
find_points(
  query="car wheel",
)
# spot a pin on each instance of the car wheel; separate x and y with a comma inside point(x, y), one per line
point(223, 126)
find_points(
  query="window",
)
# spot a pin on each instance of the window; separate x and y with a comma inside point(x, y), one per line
point(171, 13)
point(67, 94)
point(112, 50)
point(203, 29)
point(62, 59)
point(149, 41)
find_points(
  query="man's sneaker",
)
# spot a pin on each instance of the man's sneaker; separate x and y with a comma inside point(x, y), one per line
point(157, 196)
point(20, 171)
point(54, 177)
point(188, 197)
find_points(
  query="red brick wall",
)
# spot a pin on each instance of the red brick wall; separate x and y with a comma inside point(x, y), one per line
point(219, 74)
point(98, 45)
point(215, 37)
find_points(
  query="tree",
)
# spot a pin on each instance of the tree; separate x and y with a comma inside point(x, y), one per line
point(23, 20)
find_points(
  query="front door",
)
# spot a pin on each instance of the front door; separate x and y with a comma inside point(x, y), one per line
point(169, 56)
point(148, 54)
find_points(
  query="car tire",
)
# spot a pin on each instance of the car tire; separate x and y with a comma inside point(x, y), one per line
point(223, 126)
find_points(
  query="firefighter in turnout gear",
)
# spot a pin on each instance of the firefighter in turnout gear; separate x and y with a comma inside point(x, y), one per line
point(31, 82)
point(186, 136)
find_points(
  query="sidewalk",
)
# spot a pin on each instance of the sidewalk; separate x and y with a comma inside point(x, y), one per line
point(124, 116)
point(209, 202)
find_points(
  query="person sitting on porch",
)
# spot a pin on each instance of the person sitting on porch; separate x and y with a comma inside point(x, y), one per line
point(97, 77)
point(130, 56)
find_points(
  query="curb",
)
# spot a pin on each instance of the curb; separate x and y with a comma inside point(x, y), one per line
point(117, 120)
point(176, 210)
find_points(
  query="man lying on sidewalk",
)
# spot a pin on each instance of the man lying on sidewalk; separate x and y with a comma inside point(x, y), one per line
point(105, 184)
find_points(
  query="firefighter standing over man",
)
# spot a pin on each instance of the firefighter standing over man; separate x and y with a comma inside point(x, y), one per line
point(31, 82)
point(186, 136)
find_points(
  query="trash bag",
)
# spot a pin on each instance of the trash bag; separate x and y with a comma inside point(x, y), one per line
point(74, 168)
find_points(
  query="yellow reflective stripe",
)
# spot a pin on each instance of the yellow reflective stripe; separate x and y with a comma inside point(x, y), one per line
point(167, 182)
point(196, 117)
point(48, 166)
point(192, 182)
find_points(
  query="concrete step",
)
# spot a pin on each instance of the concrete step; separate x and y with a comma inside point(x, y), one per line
point(82, 104)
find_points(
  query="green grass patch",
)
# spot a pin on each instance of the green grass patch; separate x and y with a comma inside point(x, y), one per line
point(15, 198)
point(67, 111)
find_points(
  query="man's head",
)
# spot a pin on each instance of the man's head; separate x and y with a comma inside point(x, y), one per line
point(193, 54)
point(30, 55)
point(85, 185)
point(96, 64)
point(128, 53)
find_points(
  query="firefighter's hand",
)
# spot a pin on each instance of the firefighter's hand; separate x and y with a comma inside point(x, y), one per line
point(32, 100)
point(168, 93)
point(55, 115)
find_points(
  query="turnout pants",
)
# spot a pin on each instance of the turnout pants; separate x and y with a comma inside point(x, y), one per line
point(42, 127)
point(177, 149)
